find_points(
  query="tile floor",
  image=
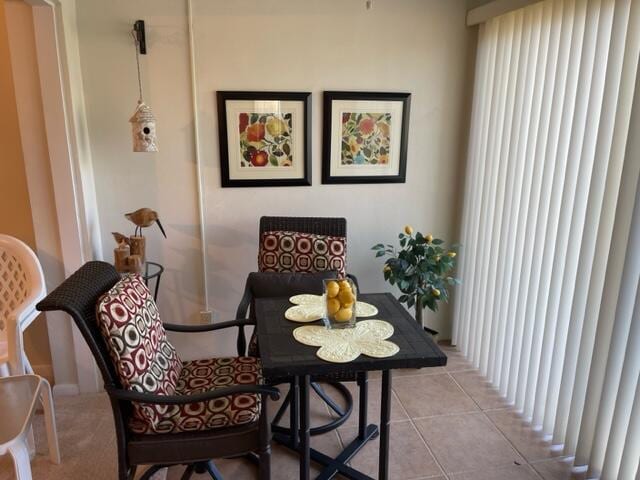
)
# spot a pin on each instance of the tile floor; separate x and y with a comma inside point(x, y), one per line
point(447, 423)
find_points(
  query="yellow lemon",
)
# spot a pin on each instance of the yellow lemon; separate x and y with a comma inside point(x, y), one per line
point(435, 292)
point(332, 289)
point(386, 268)
point(429, 238)
point(345, 285)
point(346, 298)
point(451, 254)
point(408, 229)
point(344, 314)
point(333, 305)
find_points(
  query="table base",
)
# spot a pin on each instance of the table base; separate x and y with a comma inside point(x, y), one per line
point(336, 465)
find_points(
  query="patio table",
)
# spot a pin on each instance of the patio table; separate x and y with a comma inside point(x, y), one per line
point(282, 356)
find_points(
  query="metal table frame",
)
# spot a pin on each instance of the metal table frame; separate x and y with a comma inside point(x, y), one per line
point(417, 349)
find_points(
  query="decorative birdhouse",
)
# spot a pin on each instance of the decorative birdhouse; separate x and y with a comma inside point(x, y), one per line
point(143, 126)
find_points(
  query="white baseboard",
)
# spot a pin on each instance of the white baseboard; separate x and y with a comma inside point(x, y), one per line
point(66, 389)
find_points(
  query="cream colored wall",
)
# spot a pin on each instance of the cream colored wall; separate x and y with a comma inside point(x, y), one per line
point(419, 46)
point(32, 216)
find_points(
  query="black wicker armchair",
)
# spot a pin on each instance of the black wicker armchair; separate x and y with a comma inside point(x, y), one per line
point(334, 227)
point(78, 296)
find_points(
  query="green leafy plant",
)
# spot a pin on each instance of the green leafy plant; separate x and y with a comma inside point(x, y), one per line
point(421, 268)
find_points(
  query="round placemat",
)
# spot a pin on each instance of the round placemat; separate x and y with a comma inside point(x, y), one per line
point(368, 337)
point(304, 313)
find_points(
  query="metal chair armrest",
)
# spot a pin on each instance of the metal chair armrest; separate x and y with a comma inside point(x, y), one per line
point(174, 327)
point(152, 398)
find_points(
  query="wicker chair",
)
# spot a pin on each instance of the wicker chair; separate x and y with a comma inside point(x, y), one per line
point(78, 296)
point(336, 227)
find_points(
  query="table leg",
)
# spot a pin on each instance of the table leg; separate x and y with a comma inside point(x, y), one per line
point(363, 400)
point(305, 434)
point(385, 414)
point(294, 419)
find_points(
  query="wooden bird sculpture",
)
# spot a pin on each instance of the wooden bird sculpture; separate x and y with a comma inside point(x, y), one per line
point(120, 238)
point(144, 217)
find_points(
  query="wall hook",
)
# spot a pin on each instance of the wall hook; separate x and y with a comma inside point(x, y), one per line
point(141, 40)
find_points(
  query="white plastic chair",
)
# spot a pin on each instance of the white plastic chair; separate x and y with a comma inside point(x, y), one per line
point(21, 288)
point(20, 395)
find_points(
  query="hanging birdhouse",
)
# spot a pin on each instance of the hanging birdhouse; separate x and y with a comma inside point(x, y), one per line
point(143, 129)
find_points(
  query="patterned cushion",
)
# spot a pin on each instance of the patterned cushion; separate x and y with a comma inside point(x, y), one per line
point(145, 360)
point(201, 376)
point(301, 252)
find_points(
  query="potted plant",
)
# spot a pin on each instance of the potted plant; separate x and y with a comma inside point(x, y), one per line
point(421, 268)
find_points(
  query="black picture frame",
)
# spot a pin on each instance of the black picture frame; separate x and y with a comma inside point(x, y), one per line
point(225, 96)
point(328, 117)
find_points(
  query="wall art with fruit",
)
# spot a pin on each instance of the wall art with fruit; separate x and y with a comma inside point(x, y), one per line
point(265, 138)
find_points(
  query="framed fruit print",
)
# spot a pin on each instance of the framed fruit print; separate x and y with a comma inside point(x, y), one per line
point(265, 138)
point(365, 137)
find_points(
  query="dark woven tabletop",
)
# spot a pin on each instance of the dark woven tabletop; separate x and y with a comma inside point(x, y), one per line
point(282, 355)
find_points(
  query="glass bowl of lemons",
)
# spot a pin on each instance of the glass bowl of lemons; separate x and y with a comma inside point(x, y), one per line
point(340, 303)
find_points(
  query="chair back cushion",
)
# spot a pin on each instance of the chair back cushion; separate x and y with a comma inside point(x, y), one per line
point(288, 251)
point(144, 359)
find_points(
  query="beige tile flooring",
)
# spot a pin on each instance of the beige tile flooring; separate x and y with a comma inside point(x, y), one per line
point(447, 423)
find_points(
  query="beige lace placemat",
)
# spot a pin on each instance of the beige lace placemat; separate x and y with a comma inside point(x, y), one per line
point(363, 309)
point(368, 337)
point(304, 313)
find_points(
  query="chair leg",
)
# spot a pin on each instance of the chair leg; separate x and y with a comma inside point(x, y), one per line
point(50, 421)
point(264, 469)
point(21, 461)
point(188, 472)
point(213, 470)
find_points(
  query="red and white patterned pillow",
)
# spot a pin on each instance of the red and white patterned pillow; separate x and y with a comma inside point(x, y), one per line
point(201, 376)
point(145, 360)
point(282, 251)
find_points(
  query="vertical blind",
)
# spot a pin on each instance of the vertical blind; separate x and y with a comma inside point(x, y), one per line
point(549, 307)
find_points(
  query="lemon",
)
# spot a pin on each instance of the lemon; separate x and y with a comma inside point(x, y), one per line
point(345, 285)
point(346, 298)
point(408, 229)
point(344, 314)
point(429, 238)
point(451, 254)
point(332, 289)
point(387, 268)
point(333, 305)
point(435, 292)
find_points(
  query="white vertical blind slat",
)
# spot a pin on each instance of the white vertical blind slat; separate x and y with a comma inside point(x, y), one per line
point(572, 282)
point(518, 62)
point(488, 193)
point(491, 35)
point(629, 461)
point(502, 136)
point(503, 354)
point(608, 351)
point(530, 193)
point(533, 95)
point(470, 183)
point(603, 194)
point(564, 182)
point(556, 75)
point(581, 152)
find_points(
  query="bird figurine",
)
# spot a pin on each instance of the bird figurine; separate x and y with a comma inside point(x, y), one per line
point(144, 217)
point(120, 238)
